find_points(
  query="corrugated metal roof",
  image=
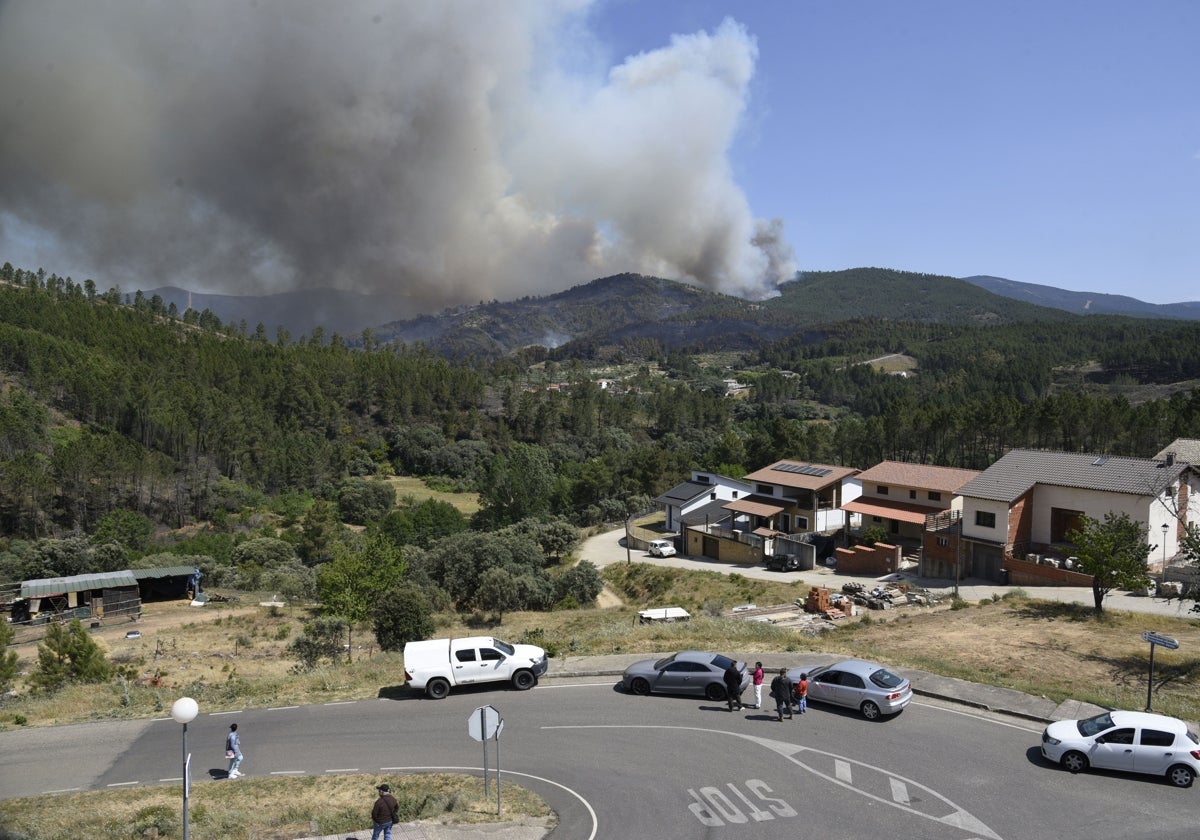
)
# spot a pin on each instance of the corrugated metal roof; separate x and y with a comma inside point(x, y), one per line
point(76, 583)
point(164, 571)
point(1013, 475)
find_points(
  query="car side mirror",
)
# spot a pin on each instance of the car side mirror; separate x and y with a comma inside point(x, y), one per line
point(1101, 740)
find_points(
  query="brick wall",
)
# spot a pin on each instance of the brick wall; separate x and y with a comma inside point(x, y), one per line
point(1024, 573)
point(878, 559)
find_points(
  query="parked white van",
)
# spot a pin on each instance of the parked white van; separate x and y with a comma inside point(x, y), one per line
point(662, 548)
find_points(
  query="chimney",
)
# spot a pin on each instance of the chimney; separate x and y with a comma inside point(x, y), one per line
point(1170, 459)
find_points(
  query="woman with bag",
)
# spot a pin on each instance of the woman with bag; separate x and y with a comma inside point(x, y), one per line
point(233, 751)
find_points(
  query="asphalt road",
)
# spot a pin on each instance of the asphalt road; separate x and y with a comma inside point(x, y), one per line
point(614, 765)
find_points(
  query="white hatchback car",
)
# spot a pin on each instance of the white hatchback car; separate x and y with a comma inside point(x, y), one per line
point(1135, 742)
point(662, 548)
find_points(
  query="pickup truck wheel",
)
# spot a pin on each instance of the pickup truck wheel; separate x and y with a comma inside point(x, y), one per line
point(437, 688)
point(523, 680)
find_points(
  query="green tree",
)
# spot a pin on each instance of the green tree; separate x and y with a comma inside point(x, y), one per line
point(516, 485)
point(401, 616)
point(578, 586)
point(129, 528)
point(69, 654)
point(8, 658)
point(497, 592)
point(321, 640)
point(1113, 552)
point(350, 584)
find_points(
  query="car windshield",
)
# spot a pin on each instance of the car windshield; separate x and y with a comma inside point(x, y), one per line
point(722, 662)
point(664, 662)
point(886, 679)
point(1094, 725)
point(504, 646)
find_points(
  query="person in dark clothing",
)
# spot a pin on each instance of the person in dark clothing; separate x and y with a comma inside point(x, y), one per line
point(385, 812)
point(781, 690)
point(733, 686)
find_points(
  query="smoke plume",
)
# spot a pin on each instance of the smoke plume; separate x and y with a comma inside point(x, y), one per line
point(448, 151)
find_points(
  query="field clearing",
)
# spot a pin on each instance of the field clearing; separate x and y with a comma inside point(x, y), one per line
point(407, 486)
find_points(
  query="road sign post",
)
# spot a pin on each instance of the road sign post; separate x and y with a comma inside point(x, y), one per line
point(1155, 639)
point(485, 724)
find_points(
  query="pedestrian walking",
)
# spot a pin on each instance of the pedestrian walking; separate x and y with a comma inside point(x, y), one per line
point(758, 682)
point(733, 686)
point(384, 813)
point(802, 694)
point(781, 691)
point(233, 751)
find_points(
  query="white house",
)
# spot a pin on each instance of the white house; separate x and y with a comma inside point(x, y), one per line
point(700, 499)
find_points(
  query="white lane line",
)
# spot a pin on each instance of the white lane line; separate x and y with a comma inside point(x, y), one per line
point(172, 779)
point(64, 790)
point(899, 791)
point(218, 714)
point(282, 708)
point(289, 772)
point(342, 703)
point(123, 784)
point(841, 769)
point(343, 770)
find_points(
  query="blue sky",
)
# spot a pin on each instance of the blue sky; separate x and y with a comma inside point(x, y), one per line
point(1053, 142)
point(446, 152)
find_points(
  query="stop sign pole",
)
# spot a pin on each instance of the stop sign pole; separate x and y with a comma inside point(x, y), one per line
point(1155, 639)
point(485, 724)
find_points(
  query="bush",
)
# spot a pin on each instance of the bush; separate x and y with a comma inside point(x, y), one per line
point(401, 616)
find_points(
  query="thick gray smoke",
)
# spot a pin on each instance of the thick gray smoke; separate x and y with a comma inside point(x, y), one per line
point(440, 150)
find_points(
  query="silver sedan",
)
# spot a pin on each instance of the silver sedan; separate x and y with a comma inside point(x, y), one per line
point(857, 684)
point(686, 672)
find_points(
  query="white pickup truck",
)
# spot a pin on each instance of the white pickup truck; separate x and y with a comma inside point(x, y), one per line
point(435, 665)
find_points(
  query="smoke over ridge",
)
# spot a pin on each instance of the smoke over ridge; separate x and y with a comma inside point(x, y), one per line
point(438, 150)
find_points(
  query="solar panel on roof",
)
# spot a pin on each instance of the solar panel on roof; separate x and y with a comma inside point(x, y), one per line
point(802, 469)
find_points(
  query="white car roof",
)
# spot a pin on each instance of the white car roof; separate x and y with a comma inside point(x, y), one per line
point(1141, 720)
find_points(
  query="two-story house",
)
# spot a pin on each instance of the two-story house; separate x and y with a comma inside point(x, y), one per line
point(1023, 506)
point(700, 500)
point(787, 499)
point(899, 497)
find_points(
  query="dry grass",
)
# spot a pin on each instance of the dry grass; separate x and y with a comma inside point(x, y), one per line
point(299, 807)
point(406, 486)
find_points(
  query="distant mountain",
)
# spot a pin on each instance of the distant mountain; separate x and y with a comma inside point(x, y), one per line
point(1085, 303)
point(629, 307)
point(632, 307)
point(335, 311)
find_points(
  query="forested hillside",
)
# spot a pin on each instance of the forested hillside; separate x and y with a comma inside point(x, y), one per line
point(117, 412)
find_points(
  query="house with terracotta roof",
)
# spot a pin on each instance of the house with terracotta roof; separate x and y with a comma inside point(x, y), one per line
point(1017, 513)
point(899, 497)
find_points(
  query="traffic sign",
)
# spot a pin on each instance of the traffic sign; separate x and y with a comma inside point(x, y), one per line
point(1164, 641)
point(485, 723)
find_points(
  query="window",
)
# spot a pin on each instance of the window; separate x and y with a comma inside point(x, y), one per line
point(935, 496)
point(765, 489)
point(1157, 738)
point(943, 542)
point(985, 519)
point(912, 494)
point(785, 523)
point(712, 496)
point(465, 655)
point(801, 523)
point(881, 490)
point(489, 655)
point(876, 519)
point(1119, 736)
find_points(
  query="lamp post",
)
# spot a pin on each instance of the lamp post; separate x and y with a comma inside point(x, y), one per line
point(184, 710)
point(1163, 574)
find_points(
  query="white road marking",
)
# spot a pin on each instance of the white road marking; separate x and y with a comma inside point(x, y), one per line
point(123, 784)
point(342, 703)
point(842, 770)
point(218, 714)
point(343, 770)
point(282, 708)
point(955, 816)
point(289, 772)
point(899, 791)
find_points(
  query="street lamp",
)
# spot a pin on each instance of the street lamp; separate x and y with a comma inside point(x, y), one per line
point(184, 710)
point(1165, 529)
